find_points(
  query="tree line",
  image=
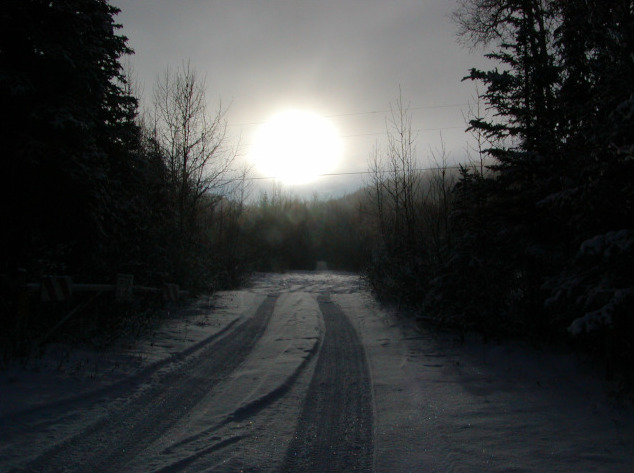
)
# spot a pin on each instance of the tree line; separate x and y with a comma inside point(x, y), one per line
point(91, 184)
point(536, 238)
point(284, 232)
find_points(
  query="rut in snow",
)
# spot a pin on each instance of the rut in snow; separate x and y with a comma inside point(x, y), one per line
point(334, 432)
point(113, 441)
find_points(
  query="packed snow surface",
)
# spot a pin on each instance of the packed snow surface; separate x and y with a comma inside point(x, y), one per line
point(305, 371)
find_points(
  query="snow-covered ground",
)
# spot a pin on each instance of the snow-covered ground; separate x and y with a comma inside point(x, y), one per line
point(443, 406)
point(438, 405)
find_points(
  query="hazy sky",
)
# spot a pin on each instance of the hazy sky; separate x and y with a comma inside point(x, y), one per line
point(344, 59)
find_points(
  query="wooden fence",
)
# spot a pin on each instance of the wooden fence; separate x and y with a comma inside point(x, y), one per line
point(61, 288)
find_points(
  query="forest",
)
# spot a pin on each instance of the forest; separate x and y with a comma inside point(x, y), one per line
point(531, 238)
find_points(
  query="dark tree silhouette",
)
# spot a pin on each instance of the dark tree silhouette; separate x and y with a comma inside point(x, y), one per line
point(66, 133)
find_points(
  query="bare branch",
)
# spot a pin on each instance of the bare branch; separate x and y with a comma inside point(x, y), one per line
point(192, 141)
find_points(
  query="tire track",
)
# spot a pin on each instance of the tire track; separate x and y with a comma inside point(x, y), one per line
point(110, 443)
point(119, 388)
point(335, 428)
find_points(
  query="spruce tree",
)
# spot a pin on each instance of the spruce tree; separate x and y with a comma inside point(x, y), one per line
point(66, 132)
point(593, 294)
point(521, 92)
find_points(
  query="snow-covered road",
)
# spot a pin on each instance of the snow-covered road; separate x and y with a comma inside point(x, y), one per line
point(305, 372)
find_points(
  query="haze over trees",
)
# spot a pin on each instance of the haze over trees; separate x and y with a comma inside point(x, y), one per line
point(283, 232)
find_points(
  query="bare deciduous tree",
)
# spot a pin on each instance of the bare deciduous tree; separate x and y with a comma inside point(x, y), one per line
point(411, 210)
point(193, 142)
point(394, 177)
point(437, 209)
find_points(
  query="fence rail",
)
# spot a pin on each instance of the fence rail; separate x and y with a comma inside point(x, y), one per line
point(62, 288)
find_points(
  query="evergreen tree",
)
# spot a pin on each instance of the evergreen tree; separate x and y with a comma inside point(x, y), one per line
point(66, 132)
point(523, 95)
point(558, 208)
point(594, 291)
point(596, 41)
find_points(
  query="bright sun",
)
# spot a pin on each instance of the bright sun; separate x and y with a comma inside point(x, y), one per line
point(296, 147)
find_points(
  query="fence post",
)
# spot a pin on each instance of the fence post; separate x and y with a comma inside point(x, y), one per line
point(124, 291)
point(56, 288)
point(22, 309)
point(170, 292)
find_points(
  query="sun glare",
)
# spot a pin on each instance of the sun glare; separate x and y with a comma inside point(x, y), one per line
point(296, 147)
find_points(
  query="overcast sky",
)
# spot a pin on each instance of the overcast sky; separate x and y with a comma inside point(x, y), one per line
point(344, 59)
